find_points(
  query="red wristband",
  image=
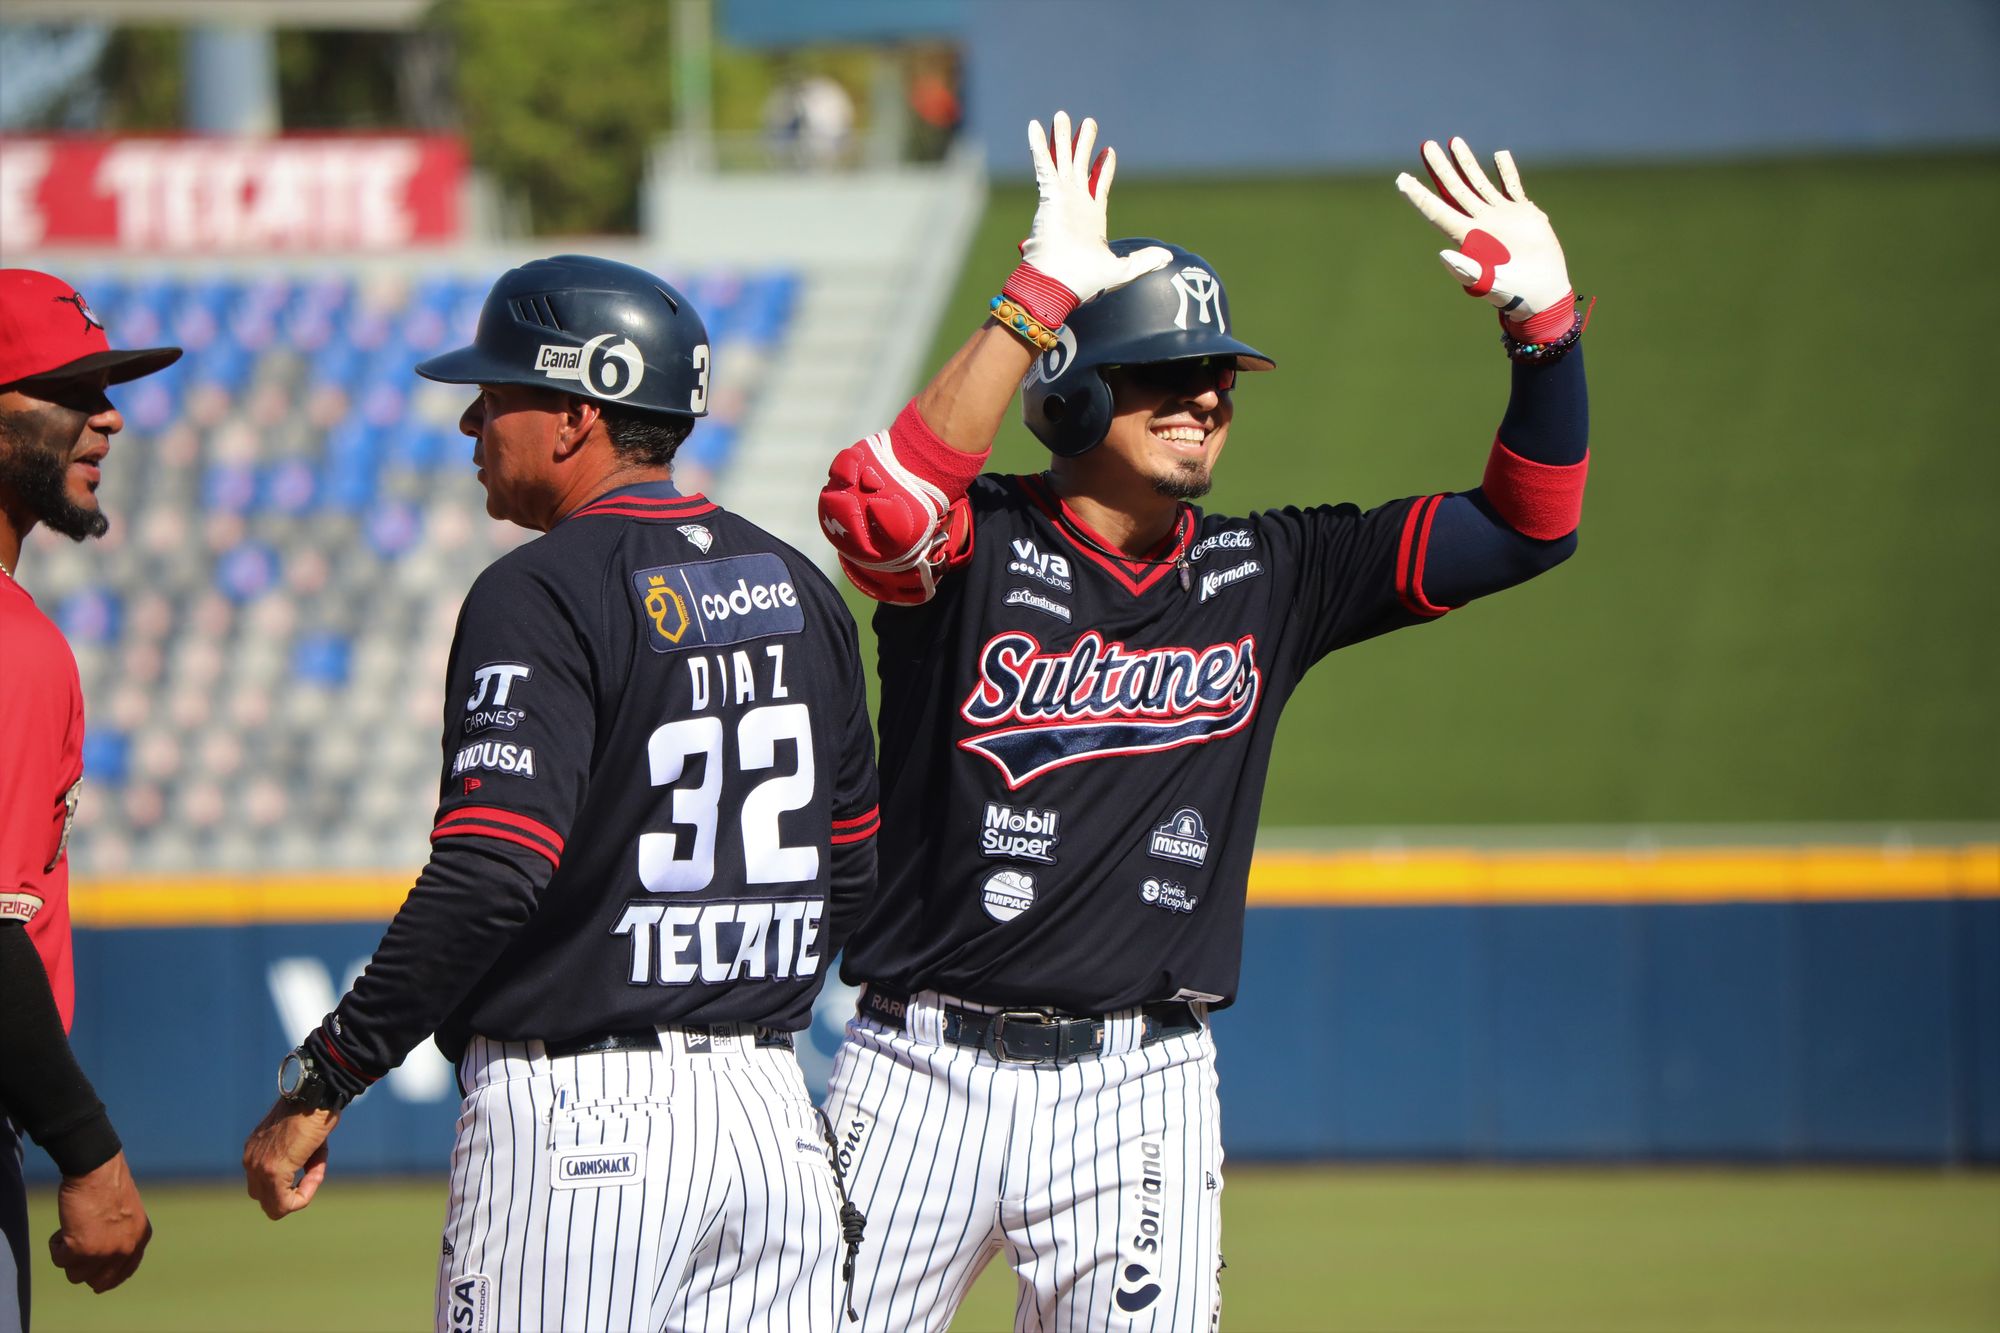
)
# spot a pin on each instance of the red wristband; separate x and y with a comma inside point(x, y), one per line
point(1546, 327)
point(1040, 295)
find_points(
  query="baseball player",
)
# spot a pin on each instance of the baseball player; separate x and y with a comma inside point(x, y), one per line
point(1081, 678)
point(655, 825)
point(56, 426)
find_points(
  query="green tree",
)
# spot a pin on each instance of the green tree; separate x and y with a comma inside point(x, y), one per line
point(561, 100)
point(143, 80)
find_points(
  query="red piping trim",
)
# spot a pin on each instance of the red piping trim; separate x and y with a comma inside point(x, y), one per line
point(469, 830)
point(1424, 603)
point(873, 812)
point(1410, 552)
point(495, 814)
point(857, 835)
point(622, 509)
point(343, 1061)
point(1155, 564)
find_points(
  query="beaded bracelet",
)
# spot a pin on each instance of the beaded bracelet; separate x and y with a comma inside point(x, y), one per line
point(1556, 350)
point(1022, 323)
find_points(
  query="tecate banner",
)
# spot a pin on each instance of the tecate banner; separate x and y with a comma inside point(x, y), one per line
point(192, 194)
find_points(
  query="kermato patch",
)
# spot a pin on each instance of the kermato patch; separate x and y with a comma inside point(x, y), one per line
point(715, 602)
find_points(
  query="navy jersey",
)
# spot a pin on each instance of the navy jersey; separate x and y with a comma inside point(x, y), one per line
point(1074, 746)
point(656, 711)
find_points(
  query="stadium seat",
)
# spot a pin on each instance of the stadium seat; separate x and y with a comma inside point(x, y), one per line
point(296, 524)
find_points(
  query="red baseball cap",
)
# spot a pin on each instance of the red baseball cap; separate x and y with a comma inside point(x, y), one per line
point(48, 329)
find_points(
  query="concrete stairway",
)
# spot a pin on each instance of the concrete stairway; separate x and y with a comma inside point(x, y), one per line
point(877, 252)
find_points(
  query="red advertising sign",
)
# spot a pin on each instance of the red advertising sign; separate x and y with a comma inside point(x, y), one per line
point(215, 194)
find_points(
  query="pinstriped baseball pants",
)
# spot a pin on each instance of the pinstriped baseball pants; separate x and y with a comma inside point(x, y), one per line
point(1100, 1181)
point(638, 1190)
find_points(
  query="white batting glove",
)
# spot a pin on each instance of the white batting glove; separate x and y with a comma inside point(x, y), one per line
point(1507, 251)
point(1065, 260)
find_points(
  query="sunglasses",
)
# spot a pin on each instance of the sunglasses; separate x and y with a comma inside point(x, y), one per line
point(1191, 377)
point(79, 393)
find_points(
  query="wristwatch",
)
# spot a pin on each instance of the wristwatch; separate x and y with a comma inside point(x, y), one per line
point(300, 1084)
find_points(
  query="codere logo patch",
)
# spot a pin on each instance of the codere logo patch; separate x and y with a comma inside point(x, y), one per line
point(665, 608)
point(715, 602)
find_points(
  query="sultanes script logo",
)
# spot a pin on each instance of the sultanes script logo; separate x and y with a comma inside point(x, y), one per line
point(1033, 711)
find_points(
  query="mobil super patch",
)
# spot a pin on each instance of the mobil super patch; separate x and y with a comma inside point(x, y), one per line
point(714, 602)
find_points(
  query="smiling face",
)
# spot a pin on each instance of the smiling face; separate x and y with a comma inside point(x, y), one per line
point(54, 435)
point(1170, 420)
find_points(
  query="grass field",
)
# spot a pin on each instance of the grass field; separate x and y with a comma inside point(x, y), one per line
point(1784, 607)
point(1440, 1250)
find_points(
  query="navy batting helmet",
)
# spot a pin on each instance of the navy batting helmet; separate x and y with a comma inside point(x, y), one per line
point(1176, 313)
point(591, 327)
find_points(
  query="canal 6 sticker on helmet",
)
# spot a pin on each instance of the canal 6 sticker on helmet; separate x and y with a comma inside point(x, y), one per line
point(588, 326)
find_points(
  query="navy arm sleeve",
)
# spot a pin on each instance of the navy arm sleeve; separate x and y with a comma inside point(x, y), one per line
point(1472, 550)
point(519, 732)
point(42, 1088)
point(464, 909)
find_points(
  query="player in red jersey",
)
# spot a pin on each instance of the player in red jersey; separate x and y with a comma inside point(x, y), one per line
point(56, 426)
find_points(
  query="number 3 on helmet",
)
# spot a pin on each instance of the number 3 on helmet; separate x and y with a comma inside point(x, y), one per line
point(592, 327)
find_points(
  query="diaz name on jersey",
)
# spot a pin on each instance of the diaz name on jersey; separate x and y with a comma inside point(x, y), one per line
point(670, 714)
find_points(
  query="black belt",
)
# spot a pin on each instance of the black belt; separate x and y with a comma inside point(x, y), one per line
point(1034, 1036)
point(648, 1039)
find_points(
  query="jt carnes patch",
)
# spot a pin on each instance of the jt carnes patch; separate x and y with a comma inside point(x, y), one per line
point(714, 602)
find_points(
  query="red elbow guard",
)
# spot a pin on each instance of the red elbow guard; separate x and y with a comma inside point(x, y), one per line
point(1540, 500)
point(887, 496)
point(917, 584)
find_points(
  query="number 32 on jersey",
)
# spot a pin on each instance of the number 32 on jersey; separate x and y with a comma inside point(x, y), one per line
point(754, 747)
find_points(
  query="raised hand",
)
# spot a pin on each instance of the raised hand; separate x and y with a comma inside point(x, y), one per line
point(1506, 252)
point(1065, 260)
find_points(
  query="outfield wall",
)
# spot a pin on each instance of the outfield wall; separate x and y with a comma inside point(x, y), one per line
point(1813, 1003)
point(1189, 87)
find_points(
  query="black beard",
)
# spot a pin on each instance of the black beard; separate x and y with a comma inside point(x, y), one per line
point(37, 477)
point(1186, 482)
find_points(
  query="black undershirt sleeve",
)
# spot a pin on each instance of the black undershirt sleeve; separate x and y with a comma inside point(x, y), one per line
point(42, 1088)
point(850, 893)
point(856, 805)
point(467, 905)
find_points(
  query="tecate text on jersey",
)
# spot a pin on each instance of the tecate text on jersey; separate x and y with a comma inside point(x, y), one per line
point(717, 942)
